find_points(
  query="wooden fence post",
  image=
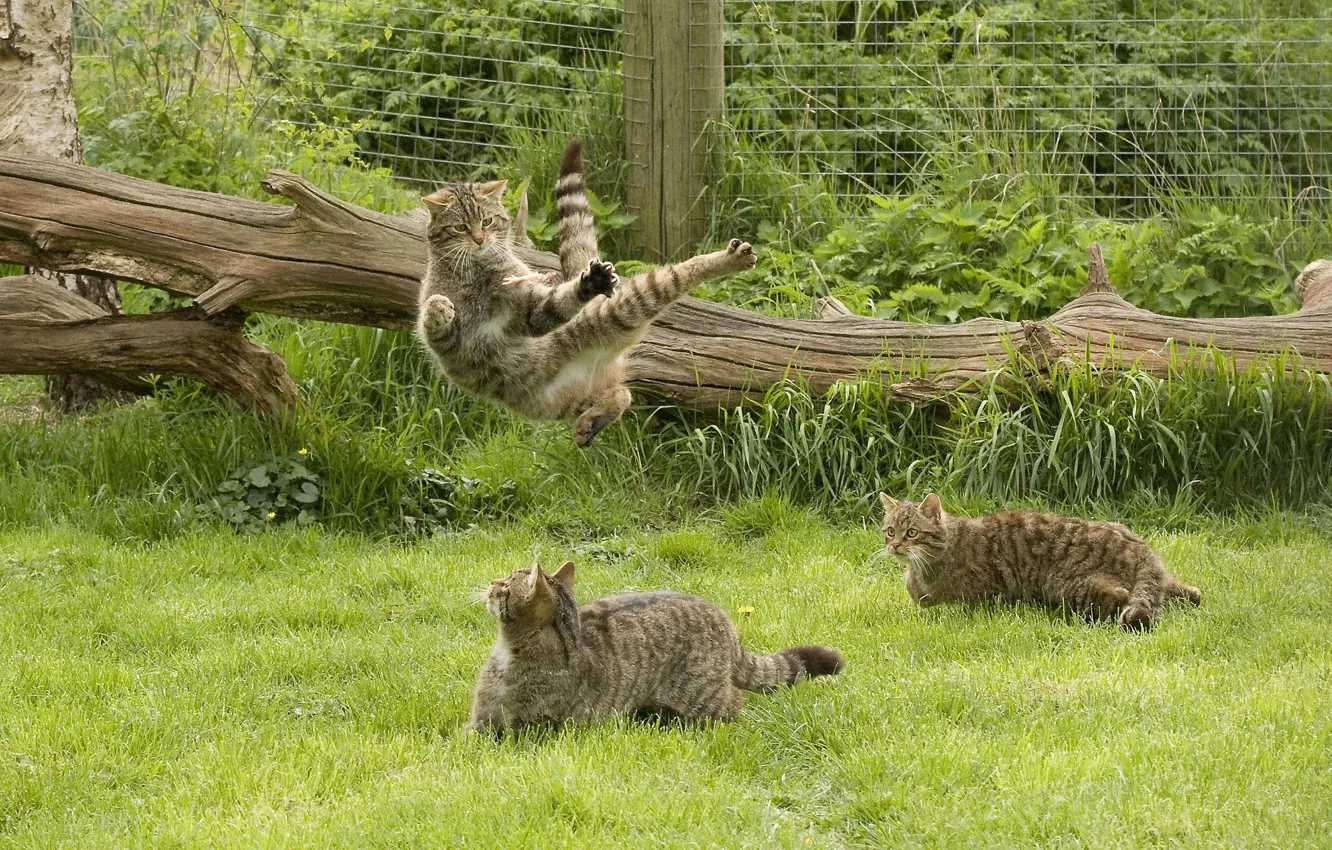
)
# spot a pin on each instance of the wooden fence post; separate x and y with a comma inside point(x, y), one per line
point(674, 85)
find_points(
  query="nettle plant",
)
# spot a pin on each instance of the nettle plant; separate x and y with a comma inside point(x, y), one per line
point(279, 491)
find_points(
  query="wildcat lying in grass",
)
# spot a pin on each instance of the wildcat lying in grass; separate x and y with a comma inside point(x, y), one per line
point(659, 651)
point(1098, 569)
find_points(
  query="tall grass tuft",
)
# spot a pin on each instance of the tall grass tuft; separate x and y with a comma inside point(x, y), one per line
point(1208, 436)
point(1230, 436)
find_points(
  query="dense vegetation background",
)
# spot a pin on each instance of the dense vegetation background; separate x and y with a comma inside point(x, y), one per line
point(169, 678)
point(211, 96)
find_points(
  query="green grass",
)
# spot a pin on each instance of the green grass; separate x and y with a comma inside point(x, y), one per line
point(300, 689)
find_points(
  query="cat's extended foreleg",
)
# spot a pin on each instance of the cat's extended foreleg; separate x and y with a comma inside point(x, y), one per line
point(640, 300)
point(540, 278)
point(544, 308)
point(1176, 589)
point(437, 320)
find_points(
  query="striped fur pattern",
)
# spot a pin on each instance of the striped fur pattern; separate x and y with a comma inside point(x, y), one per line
point(578, 231)
point(1100, 570)
point(661, 651)
point(547, 352)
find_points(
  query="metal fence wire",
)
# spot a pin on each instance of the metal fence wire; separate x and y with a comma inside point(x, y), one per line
point(1114, 101)
point(1117, 100)
point(437, 89)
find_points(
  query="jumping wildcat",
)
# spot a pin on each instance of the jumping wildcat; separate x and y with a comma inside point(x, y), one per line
point(1099, 569)
point(547, 352)
point(662, 651)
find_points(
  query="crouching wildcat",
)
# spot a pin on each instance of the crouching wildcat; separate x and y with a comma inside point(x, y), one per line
point(659, 651)
point(1098, 569)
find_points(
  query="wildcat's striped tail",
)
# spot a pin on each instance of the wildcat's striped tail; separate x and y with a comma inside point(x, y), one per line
point(786, 667)
point(1146, 595)
point(578, 230)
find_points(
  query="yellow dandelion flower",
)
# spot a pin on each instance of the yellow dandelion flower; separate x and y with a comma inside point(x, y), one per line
point(272, 515)
point(746, 610)
point(303, 452)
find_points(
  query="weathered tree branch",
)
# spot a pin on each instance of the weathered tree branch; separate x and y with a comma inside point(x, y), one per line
point(48, 330)
point(326, 259)
point(181, 343)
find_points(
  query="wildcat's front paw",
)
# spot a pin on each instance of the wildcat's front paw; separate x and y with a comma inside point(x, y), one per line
point(437, 316)
point(740, 255)
point(598, 279)
point(1137, 618)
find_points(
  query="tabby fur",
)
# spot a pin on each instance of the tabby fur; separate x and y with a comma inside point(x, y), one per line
point(1098, 569)
point(501, 331)
point(661, 651)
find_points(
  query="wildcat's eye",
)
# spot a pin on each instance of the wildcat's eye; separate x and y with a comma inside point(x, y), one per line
point(489, 222)
point(911, 532)
point(458, 228)
point(889, 531)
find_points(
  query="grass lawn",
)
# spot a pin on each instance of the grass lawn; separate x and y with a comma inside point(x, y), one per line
point(301, 689)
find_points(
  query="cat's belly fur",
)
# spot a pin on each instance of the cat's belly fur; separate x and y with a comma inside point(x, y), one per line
point(580, 377)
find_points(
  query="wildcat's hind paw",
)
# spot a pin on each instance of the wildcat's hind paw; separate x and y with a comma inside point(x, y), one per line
point(741, 254)
point(437, 316)
point(597, 279)
point(590, 424)
point(1136, 618)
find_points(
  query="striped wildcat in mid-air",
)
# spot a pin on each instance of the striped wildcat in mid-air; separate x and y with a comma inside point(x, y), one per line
point(661, 651)
point(546, 351)
point(1098, 569)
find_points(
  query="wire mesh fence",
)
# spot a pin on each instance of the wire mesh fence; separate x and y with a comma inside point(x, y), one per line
point(1114, 102)
point(437, 89)
point(1117, 101)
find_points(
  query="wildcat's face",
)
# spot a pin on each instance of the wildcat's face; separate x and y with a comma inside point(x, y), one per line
point(467, 216)
point(530, 596)
point(914, 532)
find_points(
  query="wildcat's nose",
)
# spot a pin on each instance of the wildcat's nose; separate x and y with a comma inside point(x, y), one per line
point(479, 237)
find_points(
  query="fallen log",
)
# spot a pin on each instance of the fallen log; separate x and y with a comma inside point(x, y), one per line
point(323, 258)
point(48, 330)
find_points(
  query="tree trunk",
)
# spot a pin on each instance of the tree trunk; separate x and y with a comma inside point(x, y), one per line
point(326, 259)
point(37, 118)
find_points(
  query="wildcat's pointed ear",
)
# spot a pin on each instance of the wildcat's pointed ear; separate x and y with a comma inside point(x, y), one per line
point(439, 200)
point(931, 507)
point(564, 576)
point(494, 188)
point(888, 502)
point(534, 578)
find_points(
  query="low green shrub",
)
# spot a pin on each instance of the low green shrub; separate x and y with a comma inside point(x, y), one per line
point(278, 491)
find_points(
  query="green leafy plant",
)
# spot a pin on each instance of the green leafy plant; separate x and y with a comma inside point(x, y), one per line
point(278, 491)
point(441, 499)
